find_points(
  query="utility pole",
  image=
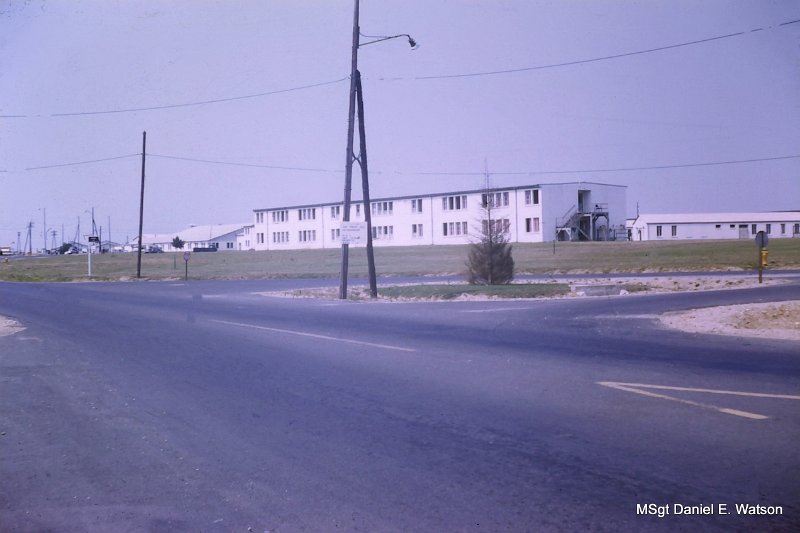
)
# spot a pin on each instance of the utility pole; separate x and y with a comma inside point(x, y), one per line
point(348, 168)
point(141, 209)
point(29, 240)
point(362, 161)
point(357, 91)
point(44, 229)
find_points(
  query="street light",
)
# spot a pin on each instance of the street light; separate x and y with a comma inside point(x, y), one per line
point(356, 90)
point(411, 42)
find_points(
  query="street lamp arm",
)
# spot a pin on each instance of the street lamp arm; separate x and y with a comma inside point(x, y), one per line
point(411, 40)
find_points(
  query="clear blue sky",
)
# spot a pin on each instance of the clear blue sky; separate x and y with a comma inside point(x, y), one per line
point(733, 95)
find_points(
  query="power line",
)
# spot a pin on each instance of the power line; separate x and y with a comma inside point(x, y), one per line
point(83, 162)
point(238, 164)
point(596, 59)
point(622, 169)
point(512, 173)
point(202, 102)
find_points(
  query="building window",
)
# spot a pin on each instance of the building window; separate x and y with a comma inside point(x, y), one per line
point(498, 199)
point(500, 225)
point(733, 226)
point(454, 203)
point(307, 214)
point(280, 216)
point(260, 218)
point(532, 197)
point(416, 230)
point(336, 210)
point(382, 208)
point(753, 229)
point(674, 231)
point(769, 229)
point(307, 235)
point(783, 229)
point(229, 245)
point(336, 234)
point(280, 236)
point(454, 228)
point(382, 232)
point(718, 226)
point(532, 225)
point(658, 231)
point(416, 205)
point(797, 229)
point(358, 210)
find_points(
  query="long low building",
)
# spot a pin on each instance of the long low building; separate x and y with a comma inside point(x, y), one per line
point(533, 213)
point(689, 226)
point(206, 237)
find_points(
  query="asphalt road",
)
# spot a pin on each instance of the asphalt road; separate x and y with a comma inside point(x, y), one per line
point(201, 406)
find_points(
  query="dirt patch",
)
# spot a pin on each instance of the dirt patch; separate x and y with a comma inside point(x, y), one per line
point(776, 320)
point(8, 326)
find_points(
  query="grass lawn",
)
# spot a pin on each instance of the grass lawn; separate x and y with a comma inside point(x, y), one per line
point(584, 257)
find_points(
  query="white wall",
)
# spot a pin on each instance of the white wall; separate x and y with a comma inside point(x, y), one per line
point(463, 221)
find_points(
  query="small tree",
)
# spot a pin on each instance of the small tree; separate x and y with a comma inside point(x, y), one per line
point(178, 243)
point(489, 261)
point(64, 248)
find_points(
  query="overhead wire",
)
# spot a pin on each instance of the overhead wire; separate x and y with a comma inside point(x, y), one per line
point(620, 169)
point(189, 104)
point(75, 163)
point(239, 164)
point(416, 78)
point(596, 59)
point(428, 173)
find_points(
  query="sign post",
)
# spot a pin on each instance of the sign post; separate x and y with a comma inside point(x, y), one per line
point(353, 232)
point(761, 242)
point(186, 256)
point(92, 239)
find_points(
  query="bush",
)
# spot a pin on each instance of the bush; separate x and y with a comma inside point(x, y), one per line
point(490, 262)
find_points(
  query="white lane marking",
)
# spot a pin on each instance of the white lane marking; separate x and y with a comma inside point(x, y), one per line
point(710, 391)
point(494, 309)
point(316, 336)
point(628, 387)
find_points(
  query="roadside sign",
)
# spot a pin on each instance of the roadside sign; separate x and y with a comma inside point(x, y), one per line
point(762, 239)
point(186, 256)
point(94, 238)
point(353, 232)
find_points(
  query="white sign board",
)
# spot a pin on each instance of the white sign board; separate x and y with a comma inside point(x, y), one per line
point(354, 232)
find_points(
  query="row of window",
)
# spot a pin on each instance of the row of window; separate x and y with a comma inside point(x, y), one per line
point(382, 232)
point(674, 231)
point(449, 203)
point(454, 228)
point(417, 231)
point(498, 199)
point(307, 214)
point(307, 235)
point(753, 229)
point(454, 203)
point(500, 225)
point(382, 208)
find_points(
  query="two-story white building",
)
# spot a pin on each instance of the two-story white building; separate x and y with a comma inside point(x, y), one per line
point(533, 213)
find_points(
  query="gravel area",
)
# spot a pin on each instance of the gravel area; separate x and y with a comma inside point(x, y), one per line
point(772, 320)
